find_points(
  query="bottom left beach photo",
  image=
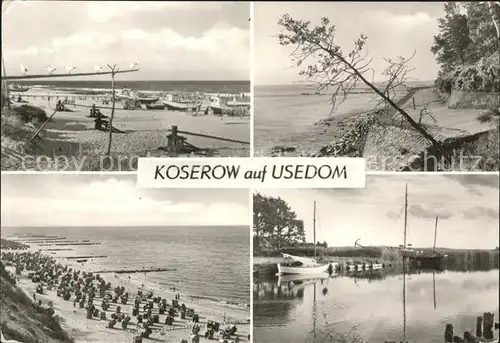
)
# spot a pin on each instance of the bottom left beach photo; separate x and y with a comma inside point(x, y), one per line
point(93, 258)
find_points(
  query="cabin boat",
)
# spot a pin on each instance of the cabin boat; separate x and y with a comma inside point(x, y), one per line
point(18, 88)
point(128, 94)
point(305, 265)
point(235, 103)
point(182, 105)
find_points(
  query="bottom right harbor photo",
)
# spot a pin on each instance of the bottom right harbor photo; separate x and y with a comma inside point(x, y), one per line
point(409, 258)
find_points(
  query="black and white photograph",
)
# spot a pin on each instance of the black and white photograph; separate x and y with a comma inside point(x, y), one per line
point(409, 258)
point(93, 258)
point(409, 86)
point(94, 85)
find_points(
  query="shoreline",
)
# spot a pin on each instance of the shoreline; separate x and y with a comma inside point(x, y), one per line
point(88, 330)
point(333, 127)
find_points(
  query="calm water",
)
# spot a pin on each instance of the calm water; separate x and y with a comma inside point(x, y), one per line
point(165, 86)
point(212, 262)
point(285, 117)
point(414, 307)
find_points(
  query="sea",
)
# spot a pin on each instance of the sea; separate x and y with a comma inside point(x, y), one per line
point(285, 115)
point(232, 87)
point(211, 262)
point(402, 307)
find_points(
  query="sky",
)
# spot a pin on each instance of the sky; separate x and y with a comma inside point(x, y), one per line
point(393, 29)
point(101, 200)
point(169, 40)
point(467, 207)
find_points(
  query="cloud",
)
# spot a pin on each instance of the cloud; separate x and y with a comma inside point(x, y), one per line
point(116, 201)
point(102, 11)
point(473, 180)
point(480, 211)
point(405, 21)
point(428, 212)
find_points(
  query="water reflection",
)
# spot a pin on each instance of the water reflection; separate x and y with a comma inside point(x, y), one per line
point(302, 310)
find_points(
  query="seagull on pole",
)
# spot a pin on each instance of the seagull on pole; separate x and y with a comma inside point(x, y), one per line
point(134, 66)
point(97, 69)
point(24, 70)
point(70, 69)
point(50, 69)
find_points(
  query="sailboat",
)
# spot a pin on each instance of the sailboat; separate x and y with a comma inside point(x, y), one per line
point(304, 265)
point(420, 259)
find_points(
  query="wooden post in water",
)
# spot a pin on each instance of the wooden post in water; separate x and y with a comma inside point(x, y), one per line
point(406, 214)
point(488, 325)
point(435, 235)
point(314, 229)
point(112, 107)
point(448, 333)
point(479, 326)
point(414, 106)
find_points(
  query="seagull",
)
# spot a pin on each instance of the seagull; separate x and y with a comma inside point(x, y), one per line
point(97, 69)
point(50, 69)
point(69, 69)
point(134, 66)
point(24, 70)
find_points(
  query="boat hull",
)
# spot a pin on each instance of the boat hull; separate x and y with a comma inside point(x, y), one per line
point(313, 270)
point(180, 106)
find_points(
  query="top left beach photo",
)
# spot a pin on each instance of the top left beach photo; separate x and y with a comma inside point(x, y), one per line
point(95, 85)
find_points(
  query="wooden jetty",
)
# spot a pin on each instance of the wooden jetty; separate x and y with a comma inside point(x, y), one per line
point(84, 257)
point(66, 244)
point(135, 271)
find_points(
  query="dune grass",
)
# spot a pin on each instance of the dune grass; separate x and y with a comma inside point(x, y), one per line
point(23, 320)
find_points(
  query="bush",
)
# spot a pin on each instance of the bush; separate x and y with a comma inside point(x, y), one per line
point(480, 77)
point(30, 113)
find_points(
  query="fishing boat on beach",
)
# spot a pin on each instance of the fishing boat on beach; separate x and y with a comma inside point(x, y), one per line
point(156, 106)
point(182, 105)
point(18, 88)
point(236, 103)
point(128, 94)
point(305, 265)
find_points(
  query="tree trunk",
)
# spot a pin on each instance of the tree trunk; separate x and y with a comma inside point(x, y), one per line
point(494, 17)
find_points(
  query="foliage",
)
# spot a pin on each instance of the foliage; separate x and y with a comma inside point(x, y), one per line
point(451, 43)
point(467, 48)
point(480, 77)
point(274, 222)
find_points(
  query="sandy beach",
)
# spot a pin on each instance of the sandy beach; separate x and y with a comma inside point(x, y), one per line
point(144, 133)
point(74, 320)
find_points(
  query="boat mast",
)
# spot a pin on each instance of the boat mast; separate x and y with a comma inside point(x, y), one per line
point(406, 214)
point(314, 230)
point(435, 235)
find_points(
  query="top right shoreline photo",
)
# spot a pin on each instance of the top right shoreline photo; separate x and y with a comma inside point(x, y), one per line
point(407, 86)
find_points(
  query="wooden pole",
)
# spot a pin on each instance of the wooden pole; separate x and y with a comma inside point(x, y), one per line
point(45, 76)
point(414, 106)
point(210, 136)
point(45, 123)
point(113, 99)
